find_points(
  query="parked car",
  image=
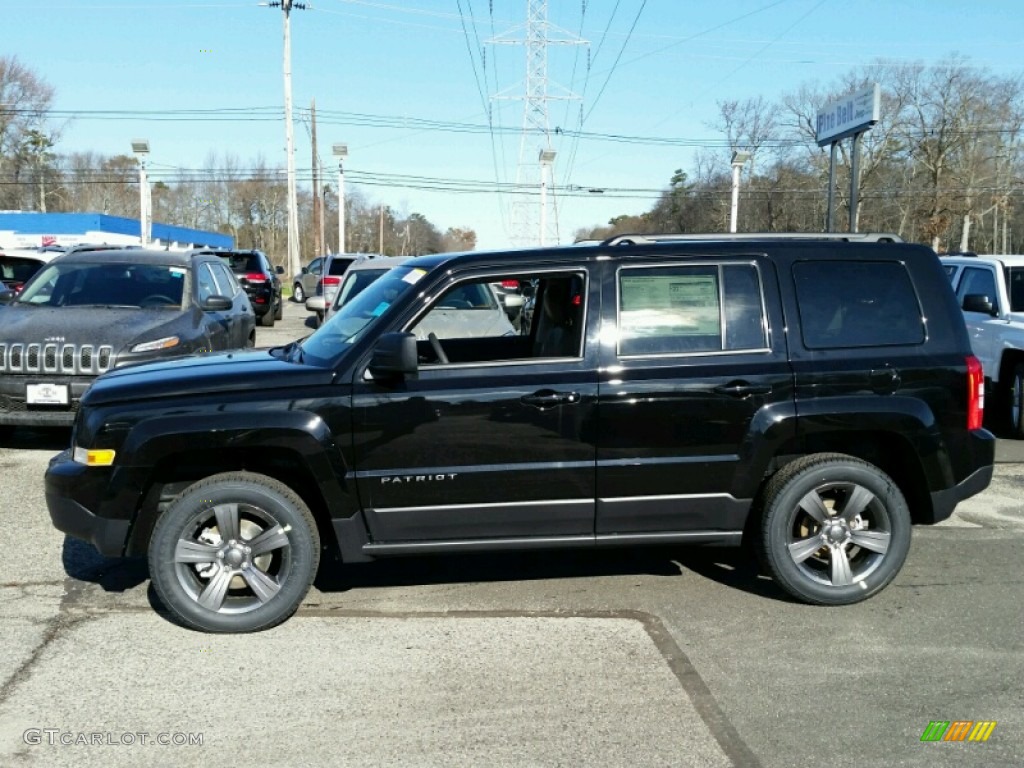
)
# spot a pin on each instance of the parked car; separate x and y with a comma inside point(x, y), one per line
point(304, 283)
point(990, 290)
point(670, 390)
point(260, 279)
point(87, 313)
point(326, 289)
point(357, 277)
point(18, 265)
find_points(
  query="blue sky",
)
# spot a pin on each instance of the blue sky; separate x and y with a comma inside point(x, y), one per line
point(378, 70)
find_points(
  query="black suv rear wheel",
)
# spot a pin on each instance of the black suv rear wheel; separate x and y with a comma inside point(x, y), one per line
point(237, 552)
point(835, 529)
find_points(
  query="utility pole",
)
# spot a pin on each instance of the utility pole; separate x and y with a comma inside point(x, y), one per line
point(294, 264)
point(318, 249)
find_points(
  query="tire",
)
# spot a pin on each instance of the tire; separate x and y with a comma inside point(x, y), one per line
point(298, 295)
point(279, 312)
point(267, 318)
point(1015, 403)
point(188, 557)
point(859, 551)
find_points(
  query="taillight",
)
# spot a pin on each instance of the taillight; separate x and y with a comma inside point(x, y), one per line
point(16, 287)
point(256, 277)
point(335, 281)
point(975, 393)
point(510, 285)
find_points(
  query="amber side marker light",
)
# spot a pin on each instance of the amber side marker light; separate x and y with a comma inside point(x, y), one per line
point(94, 457)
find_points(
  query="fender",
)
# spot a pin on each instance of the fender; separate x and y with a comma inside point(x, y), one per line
point(302, 432)
point(908, 419)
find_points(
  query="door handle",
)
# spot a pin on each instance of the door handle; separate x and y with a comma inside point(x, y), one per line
point(548, 398)
point(743, 389)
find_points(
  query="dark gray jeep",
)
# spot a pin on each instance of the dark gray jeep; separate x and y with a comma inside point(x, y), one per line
point(88, 312)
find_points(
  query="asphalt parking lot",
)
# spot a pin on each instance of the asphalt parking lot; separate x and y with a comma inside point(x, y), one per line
point(654, 657)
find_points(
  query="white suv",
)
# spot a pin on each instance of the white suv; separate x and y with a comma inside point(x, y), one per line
point(990, 291)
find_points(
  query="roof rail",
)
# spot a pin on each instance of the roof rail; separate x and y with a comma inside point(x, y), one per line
point(860, 237)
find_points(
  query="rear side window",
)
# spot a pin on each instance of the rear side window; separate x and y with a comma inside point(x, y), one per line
point(690, 309)
point(845, 304)
point(338, 266)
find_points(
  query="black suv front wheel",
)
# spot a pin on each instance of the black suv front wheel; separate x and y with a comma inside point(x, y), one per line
point(835, 530)
point(236, 552)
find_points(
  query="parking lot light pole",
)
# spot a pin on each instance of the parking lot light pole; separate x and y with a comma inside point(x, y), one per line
point(141, 149)
point(739, 159)
point(547, 159)
point(341, 152)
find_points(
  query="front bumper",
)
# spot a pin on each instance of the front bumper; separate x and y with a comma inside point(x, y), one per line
point(71, 488)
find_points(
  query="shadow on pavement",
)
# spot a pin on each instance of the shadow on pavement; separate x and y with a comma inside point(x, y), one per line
point(82, 561)
point(733, 568)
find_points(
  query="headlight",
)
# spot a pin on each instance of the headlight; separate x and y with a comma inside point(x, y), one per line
point(165, 343)
point(93, 457)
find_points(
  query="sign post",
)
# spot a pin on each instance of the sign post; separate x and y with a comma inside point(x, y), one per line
point(849, 116)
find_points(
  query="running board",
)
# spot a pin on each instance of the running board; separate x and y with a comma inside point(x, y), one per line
point(714, 538)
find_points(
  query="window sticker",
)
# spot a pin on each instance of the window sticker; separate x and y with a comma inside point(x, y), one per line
point(414, 276)
point(176, 271)
point(676, 304)
point(380, 309)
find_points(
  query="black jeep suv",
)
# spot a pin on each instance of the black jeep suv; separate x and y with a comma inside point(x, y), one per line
point(260, 279)
point(813, 394)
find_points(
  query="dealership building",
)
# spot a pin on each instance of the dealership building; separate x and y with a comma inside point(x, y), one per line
point(20, 229)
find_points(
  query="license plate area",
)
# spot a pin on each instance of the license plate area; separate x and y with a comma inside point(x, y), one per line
point(47, 394)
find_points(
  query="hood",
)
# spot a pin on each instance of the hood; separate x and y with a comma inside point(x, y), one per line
point(116, 326)
point(248, 371)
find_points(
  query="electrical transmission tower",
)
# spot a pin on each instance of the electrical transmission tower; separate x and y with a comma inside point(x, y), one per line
point(534, 208)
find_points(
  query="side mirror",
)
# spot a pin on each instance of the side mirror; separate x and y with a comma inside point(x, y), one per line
point(216, 304)
point(979, 302)
point(279, 270)
point(394, 354)
point(305, 271)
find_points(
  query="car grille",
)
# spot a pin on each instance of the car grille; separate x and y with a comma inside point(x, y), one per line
point(10, 404)
point(70, 359)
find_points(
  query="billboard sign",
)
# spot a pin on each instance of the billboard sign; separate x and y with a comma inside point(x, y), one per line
point(851, 114)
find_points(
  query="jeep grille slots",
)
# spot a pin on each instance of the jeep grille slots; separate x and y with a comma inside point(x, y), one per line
point(67, 359)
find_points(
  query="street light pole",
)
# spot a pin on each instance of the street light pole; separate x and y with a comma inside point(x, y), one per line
point(547, 158)
point(739, 159)
point(141, 149)
point(341, 152)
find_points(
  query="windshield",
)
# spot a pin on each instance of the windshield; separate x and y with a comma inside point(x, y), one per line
point(347, 324)
point(80, 284)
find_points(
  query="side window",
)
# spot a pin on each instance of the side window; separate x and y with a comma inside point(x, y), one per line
point(226, 281)
point(315, 266)
point(978, 280)
point(207, 285)
point(498, 318)
point(846, 304)
point(686, 309)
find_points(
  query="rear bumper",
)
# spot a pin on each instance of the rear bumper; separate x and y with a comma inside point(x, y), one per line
point(983, 452)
